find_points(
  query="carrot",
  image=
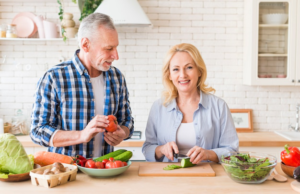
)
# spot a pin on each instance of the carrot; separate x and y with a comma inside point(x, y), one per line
point(44, 158)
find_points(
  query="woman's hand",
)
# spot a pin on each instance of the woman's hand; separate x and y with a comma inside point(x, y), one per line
point(167, 150)
point(197, 154)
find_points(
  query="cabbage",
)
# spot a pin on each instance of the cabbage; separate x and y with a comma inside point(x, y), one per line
point(13, 157)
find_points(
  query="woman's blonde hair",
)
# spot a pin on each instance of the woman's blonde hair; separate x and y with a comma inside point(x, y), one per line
point(170, 91)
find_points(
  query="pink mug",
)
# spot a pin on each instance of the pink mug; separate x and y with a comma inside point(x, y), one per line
point(51, 29)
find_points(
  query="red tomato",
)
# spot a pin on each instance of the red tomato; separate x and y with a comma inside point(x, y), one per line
point(115, 164)
point(99, 164)
point(110, 164)
point(111, 159)
point(118, 164)
point(90, 164)
point(104, 161)
point(113, 123)
point(125, 163)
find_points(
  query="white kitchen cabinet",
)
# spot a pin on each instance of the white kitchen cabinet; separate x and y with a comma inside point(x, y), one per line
point(270, 50)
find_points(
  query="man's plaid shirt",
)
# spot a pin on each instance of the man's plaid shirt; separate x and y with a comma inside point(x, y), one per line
point(64, 100)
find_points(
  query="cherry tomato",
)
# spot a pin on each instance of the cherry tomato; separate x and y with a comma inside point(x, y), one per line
point(99, 165)
point(125, 163)
point(111, 159)
point(90, 164)
point(118, 164)
point(110, 164)
point(115, 164)
point(104, 161)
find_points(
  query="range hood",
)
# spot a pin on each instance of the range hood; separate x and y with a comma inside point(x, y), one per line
point(124, 12)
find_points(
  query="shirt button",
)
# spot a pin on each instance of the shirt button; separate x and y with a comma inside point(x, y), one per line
point(195, 123)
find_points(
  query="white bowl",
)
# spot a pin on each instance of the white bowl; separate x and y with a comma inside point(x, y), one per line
point(274, 18)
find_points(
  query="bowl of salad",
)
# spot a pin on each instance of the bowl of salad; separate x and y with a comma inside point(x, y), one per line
point(248, 167)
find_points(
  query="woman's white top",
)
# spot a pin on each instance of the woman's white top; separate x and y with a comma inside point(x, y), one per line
point(185, 137)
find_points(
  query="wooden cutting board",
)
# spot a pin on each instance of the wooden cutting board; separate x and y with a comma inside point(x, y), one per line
point(296, 186)
point(156, 169)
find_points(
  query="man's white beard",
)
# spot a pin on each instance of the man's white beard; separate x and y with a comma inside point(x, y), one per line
point(101, 68)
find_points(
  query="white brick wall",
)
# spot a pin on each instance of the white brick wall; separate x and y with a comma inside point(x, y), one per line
point(214, 26)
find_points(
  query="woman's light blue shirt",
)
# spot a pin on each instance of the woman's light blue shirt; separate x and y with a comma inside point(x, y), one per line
point(213, 124)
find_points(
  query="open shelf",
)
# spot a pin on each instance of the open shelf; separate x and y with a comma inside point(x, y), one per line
point(37, 39)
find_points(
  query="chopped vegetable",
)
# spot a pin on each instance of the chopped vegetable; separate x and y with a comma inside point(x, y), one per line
point(172, 167)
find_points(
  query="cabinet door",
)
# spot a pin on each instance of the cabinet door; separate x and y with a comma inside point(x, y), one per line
point(270, 33)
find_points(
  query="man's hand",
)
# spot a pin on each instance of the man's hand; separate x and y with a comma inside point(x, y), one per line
point(96, 125)
point(116, 137)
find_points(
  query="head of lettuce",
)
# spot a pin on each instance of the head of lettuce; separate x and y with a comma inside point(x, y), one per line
point(13, 158)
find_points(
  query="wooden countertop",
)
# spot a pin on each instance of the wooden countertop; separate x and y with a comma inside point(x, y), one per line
point(130, 182)
point(255, 139)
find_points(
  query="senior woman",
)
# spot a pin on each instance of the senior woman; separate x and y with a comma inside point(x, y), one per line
point(188, 119)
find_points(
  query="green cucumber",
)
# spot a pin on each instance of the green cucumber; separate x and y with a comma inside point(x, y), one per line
point(172, 167)
point(124, 157)
point(185, 162)
point(109, 155)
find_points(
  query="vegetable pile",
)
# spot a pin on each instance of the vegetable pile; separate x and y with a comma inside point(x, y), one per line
point(114, 159)
point(13, 158)
point(242, 167)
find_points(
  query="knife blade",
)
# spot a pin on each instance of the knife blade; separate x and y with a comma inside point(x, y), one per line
point(180, 156)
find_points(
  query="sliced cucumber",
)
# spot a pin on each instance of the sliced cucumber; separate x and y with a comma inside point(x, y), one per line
point(172, 167)
point(186, 163)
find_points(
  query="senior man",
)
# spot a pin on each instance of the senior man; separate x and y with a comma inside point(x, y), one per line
point(73, 99)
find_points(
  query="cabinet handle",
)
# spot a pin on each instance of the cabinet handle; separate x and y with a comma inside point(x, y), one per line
point(293, 80)
point(298, 80)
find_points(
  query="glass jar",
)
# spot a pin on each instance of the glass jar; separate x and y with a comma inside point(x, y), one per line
point(11, 31)
point(20, 124)
point(2, 31)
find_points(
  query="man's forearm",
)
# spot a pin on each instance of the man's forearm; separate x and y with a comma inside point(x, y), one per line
point(67, 138)
point(127, 131)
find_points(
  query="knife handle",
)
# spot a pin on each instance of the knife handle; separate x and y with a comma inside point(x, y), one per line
point(175, 155)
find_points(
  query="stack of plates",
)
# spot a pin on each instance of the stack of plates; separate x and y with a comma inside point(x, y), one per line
point(26, 26)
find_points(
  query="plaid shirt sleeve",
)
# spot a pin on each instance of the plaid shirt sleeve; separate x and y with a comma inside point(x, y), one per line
point(43, 117)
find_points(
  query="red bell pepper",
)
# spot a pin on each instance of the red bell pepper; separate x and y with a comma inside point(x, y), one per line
point(290, 156)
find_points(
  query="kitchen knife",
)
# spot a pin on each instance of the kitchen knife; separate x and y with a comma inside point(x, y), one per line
point(179, 156)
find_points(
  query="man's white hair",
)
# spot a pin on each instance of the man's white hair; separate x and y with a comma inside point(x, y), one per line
point(90, 25)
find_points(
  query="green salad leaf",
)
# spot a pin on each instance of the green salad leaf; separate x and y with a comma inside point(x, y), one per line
point(242, 167)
